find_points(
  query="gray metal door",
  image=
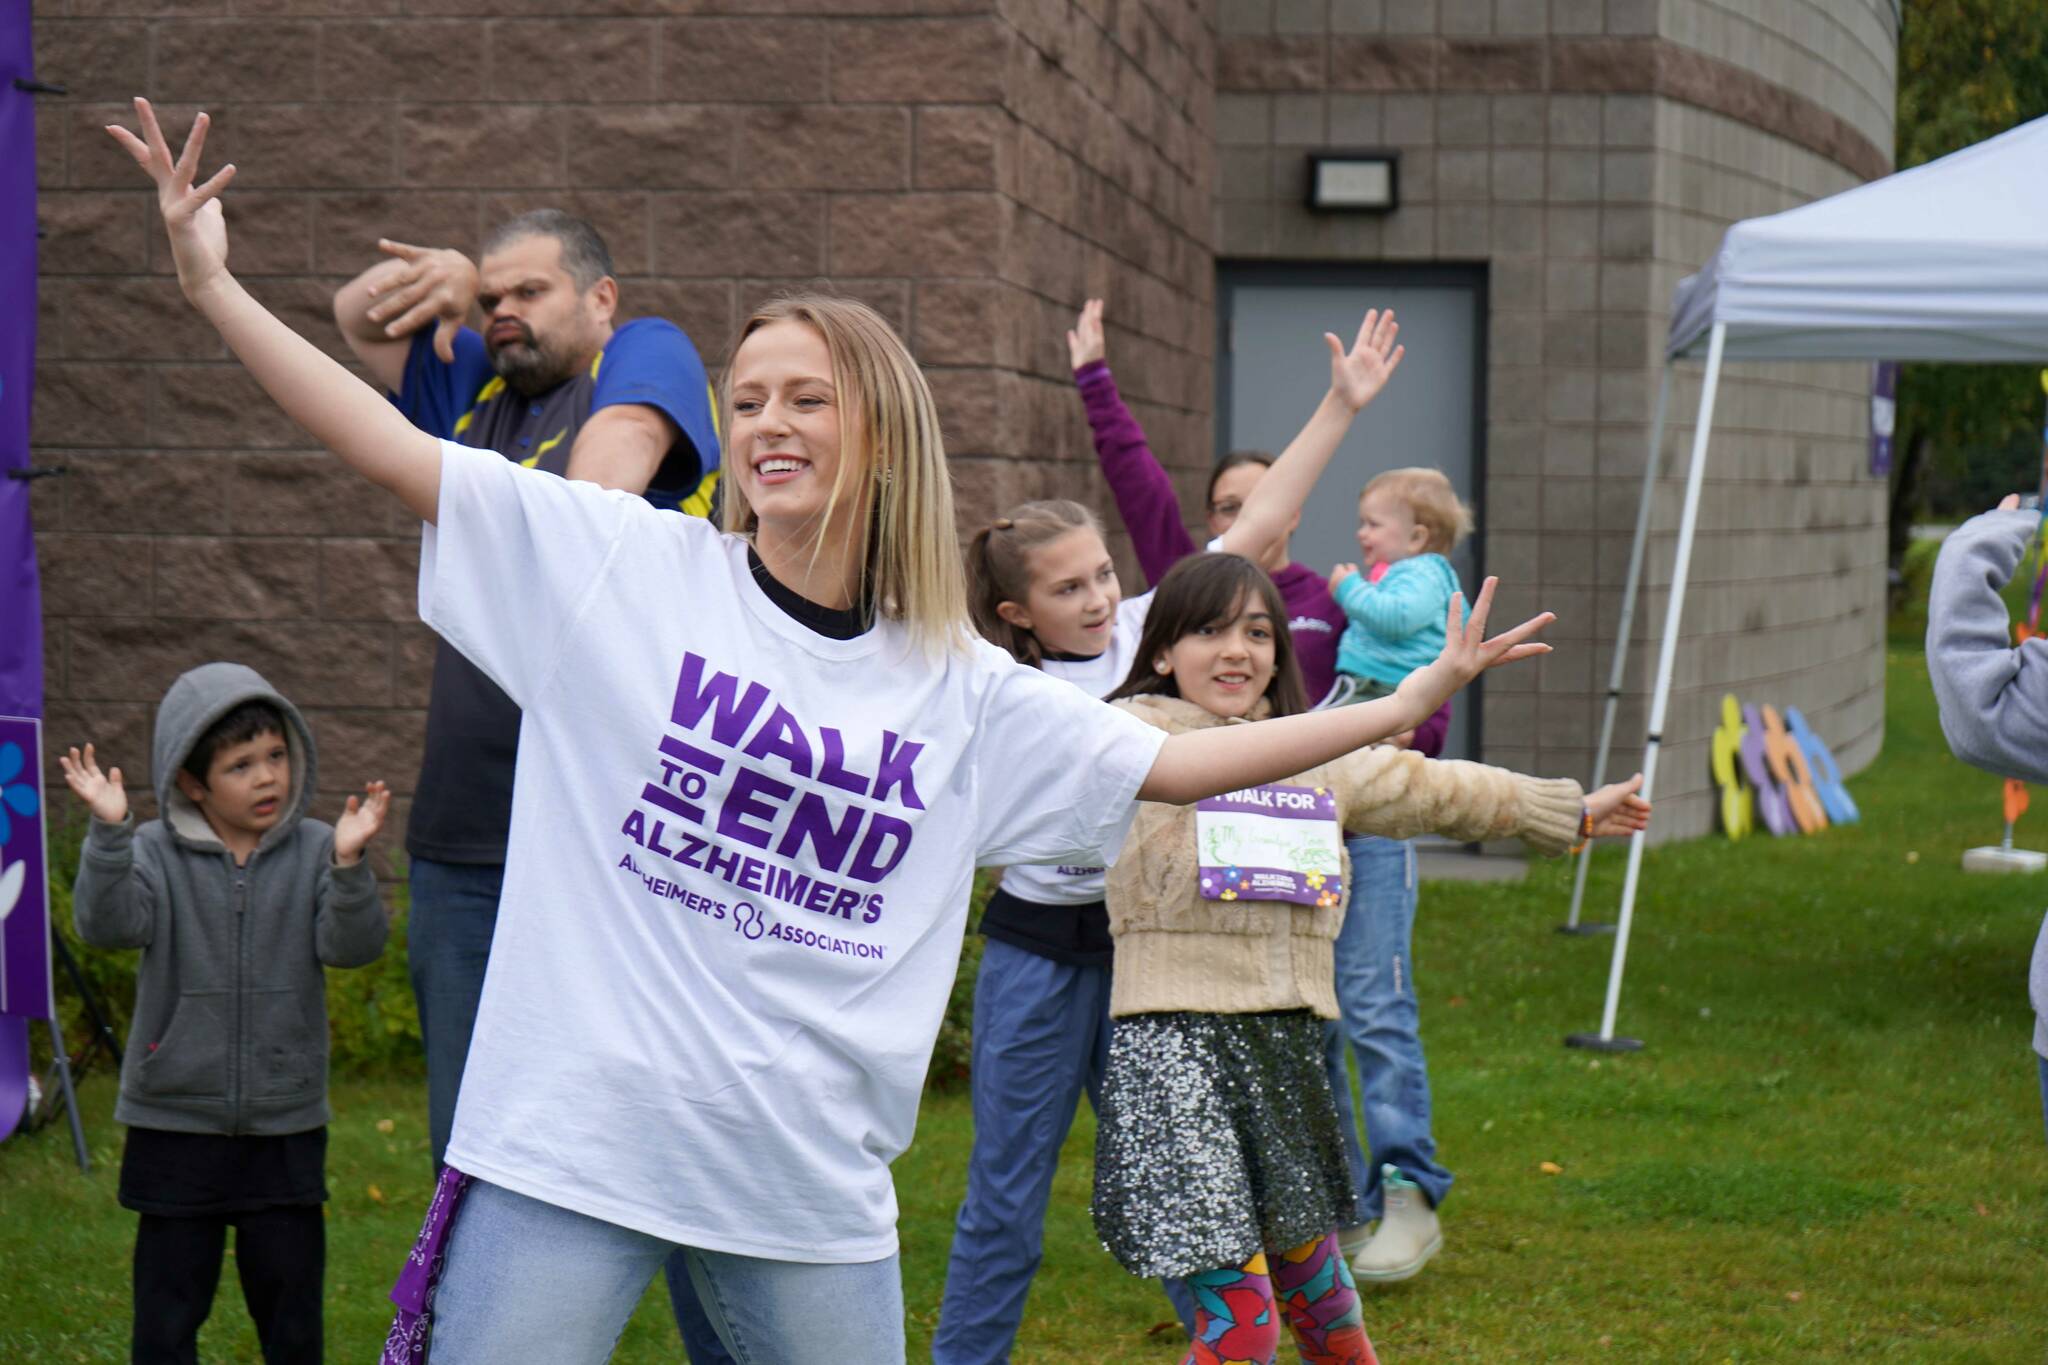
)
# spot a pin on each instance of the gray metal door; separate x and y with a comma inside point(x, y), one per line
point(1273, 368)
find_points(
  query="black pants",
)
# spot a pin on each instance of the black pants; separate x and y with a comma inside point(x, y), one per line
point(280, 1255)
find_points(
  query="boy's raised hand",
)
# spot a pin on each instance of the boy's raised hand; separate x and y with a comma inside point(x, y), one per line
point(1339, 573)
point(1357, 375)
point(102, 792)
point(1085, 343)
point(1617, 810)
point(360, 820)
point(192, 214)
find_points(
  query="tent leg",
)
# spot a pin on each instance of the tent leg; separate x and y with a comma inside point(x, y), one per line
point(1621, 642)
point(1667, 659)
point(70, 1095)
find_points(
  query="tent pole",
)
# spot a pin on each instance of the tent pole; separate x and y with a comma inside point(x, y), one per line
point(1667, 659)
point(1621, 641)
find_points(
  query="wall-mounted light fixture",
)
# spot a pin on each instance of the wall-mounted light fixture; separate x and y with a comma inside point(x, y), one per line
point(1354, 182)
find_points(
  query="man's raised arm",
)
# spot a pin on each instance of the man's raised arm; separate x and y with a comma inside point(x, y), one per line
point(380, 309)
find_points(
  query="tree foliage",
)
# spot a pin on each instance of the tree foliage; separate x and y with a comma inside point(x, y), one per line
point(1968, 70)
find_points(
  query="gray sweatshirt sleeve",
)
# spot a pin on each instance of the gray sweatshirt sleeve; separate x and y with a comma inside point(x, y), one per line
point(349, 928)
point(1993, 696)
point(113, 902)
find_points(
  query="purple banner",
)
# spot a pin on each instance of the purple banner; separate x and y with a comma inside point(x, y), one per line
point(24, 892)
point(24, 889)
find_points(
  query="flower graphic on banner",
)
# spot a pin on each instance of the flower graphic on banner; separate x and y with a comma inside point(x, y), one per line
point(17, 797)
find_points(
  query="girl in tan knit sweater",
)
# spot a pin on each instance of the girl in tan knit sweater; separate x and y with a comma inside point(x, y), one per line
point(1218, 1146)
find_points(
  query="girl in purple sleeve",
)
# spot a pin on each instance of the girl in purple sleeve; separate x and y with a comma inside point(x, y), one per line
point(1375, 979)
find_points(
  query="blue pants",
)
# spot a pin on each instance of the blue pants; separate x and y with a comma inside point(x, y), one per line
point(525, 1280)
point(448, 944)
point(1376, 993)
point(1041, 1037)
point(2043, 1063)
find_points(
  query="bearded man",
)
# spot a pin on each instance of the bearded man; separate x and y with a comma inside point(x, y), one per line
point(545, 378)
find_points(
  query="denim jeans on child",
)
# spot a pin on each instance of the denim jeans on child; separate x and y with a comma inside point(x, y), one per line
point(1376, 993)
point(1041, 1038)
point(448, 944)
point(2042, 1062)
point(525, 1280)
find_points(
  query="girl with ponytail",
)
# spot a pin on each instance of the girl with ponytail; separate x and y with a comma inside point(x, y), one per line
point(1044, 588)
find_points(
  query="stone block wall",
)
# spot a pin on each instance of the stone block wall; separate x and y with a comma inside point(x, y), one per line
point(972, 169)
point(1590, 153)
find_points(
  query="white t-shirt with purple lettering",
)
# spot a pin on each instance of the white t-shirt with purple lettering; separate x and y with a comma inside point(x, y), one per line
point(1072, 883)
point(739, 868)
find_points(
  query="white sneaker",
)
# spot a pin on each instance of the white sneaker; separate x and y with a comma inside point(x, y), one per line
point(1409, 1234)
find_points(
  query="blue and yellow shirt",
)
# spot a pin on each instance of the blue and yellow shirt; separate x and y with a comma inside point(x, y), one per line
point(646, 361)
point(462, 806)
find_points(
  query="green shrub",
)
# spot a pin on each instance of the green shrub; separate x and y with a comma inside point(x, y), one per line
point(373, 1023)
point(953, 1054)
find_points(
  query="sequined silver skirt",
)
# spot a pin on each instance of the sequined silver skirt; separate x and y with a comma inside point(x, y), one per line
point(1216, 1139)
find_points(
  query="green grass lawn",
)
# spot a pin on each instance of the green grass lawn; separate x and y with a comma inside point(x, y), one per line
point(1831, 1150)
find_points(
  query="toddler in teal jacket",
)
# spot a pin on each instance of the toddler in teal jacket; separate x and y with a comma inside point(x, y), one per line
point(1408, 520)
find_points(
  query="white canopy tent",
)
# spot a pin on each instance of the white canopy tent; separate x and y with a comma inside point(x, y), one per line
point(1947, 261)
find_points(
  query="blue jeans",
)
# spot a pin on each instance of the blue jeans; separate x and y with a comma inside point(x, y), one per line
point(2043, 1062)
point(525, 1280)
point(448, 944)
point(1376, 993)
point(1041, 1038)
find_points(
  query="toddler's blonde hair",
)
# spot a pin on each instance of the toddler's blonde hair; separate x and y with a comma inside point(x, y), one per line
point(1432, 504)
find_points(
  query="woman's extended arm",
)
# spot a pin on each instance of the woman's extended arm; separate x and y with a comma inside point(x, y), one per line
point(338, 410)
point(1356, 377)
point(1201, 763)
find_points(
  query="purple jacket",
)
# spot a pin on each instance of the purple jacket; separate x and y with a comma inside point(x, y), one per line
point(1151, 513)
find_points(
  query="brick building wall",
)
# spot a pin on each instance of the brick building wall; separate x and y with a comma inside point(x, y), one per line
point(1590, 153)
point(971, 170)
point(974, 170)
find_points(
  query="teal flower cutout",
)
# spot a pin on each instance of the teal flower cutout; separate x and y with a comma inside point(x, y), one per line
point(19, 797)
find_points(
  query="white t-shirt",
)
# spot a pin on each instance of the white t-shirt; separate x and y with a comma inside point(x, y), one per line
point(1081, 883)
point(739, 866)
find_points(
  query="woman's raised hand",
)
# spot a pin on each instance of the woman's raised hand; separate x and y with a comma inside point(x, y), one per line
point(1084, 343)
point(192, 213)
point(1357, 375)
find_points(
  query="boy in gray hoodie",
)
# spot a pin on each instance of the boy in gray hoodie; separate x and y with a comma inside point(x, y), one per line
point(236, 899)
point(1993, 695)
